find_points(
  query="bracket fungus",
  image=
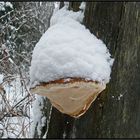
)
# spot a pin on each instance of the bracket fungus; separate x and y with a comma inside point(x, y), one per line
point(70, 66)
point(73, 96)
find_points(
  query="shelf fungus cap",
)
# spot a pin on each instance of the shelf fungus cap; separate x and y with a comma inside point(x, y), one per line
point(71, 96)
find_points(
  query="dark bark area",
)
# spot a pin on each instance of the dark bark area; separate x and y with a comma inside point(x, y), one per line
point(115, 113)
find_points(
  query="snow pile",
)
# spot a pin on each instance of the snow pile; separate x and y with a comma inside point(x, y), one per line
point(68, 49)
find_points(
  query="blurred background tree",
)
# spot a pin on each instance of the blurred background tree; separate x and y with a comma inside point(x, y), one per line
point(21, 26)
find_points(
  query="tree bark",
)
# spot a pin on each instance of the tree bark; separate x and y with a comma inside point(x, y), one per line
point(115, 113)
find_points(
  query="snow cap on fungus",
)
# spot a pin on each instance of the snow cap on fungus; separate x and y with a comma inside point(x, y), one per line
point(68, 49)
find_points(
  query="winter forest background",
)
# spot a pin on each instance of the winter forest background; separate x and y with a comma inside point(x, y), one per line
point(21, 26)
point(116, 111)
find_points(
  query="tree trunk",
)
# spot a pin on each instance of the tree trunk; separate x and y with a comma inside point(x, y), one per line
point(115, 113)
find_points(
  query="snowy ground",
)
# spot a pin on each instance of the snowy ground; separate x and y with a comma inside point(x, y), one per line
point(15, 106)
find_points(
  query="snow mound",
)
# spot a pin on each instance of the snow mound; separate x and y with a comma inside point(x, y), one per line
point(68, 49)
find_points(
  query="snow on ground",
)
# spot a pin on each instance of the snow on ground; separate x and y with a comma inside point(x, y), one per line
point(68, 49)
point(17, 126)
point(14, 90)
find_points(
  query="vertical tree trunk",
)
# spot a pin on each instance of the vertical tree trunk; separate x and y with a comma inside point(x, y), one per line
point(115, 113)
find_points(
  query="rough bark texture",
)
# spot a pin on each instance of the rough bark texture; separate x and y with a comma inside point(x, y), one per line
point(115, 113)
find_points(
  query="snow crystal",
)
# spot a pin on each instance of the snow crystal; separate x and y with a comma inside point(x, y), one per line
point(68, 49)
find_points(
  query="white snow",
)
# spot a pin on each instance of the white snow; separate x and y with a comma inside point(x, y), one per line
point(56, 7)
point(1, 78)
point(9, 4)
point(82, 6)
point(66, 4)
point(120, 96)
point(64, 15)
point(5, 4)
point(2, 6)
point(17, 126)
point(67, 79)
point(37, 116)
point(68, 49)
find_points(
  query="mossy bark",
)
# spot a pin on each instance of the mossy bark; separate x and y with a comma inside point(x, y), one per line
point(115, 113)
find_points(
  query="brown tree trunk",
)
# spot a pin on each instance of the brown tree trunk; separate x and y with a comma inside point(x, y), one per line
point(116, 112)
